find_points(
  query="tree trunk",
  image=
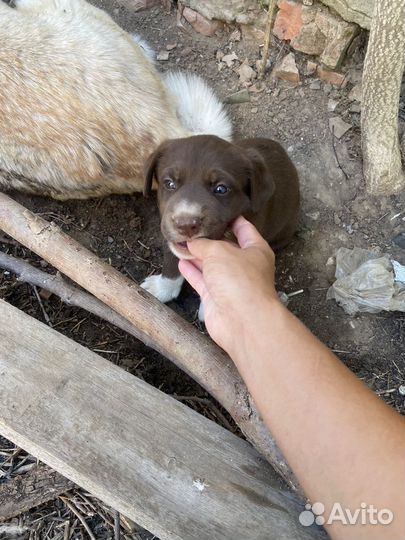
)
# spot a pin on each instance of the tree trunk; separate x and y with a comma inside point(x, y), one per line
point(383, 69)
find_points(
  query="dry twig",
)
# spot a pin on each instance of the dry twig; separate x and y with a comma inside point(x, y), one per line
point(269, 27)
point(68, 293)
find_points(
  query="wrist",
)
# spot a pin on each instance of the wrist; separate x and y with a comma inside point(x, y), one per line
point(256, 326)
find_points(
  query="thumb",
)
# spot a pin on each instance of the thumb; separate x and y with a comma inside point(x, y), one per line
point(246, 233)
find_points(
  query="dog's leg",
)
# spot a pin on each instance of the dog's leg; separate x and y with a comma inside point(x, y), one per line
point(167, 285)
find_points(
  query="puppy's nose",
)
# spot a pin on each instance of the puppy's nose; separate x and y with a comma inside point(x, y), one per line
point(188, 226)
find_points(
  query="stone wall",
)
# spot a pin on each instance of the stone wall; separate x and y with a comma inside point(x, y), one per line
point(314, 29)
point(309, 25)
point(247, 11)
point(357, 11)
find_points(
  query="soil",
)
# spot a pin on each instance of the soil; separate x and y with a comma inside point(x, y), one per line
point(336, 212)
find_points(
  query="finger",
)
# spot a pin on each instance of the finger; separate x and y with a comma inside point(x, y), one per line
point(198, 248)
point(197, 263)
point(246, 233)
point(193, 275)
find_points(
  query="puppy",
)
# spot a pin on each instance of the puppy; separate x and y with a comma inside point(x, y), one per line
point(82, 105)
point(205, 183)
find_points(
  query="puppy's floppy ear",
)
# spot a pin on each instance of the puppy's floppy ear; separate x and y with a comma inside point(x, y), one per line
point(149, 168)
point(261, 181)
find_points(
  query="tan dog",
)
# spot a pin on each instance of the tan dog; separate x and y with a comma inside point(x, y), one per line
point(81, 104)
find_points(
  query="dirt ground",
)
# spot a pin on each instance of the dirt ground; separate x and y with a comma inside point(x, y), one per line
point(336, 212)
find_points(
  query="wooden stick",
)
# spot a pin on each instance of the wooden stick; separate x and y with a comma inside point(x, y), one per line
point(37, 486)
point(161, 328)
point(69, 294)
point(269, 27)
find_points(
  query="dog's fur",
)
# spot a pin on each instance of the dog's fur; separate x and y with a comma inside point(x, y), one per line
point(262, 185)
point(82, 105)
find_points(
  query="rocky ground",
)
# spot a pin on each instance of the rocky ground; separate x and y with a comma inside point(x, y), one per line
point(336, 212)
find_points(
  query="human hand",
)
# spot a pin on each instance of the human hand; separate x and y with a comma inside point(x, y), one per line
point(234, 281)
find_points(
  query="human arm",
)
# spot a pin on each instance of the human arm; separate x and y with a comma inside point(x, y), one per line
point(344, 444)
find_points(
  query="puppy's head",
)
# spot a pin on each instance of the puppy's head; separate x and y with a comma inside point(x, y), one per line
point(204, 184)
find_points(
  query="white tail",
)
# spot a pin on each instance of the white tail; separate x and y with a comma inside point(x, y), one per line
point(198, 108)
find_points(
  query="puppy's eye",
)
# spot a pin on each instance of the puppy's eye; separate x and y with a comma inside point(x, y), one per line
point(169, 184)
point(221, 189)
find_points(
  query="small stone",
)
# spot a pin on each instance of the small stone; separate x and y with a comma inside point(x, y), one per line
point(355, 93)
point(257, 88)
point(219, 55)
point(171, 46)
point(43, 264)
point(246, 73)
point(338, 126)
point(229, 59)
point(315, 85)
point(308, 2)
point(200, 24)
point(254, 110)
point(355, 108)
point(44, 294)
point(139, 5)
point(339, 34)
point(287, 69)
point(310, 40)
point(311, 67)
point(336, 219)
point(186, 51)
point(288, 22)
point(110, 239)
point(399, 240)
point(401, 389)
point(327, 88)
point(252, 33)
point(235, 36)
point(314, 215)
point(332, 104)
point(238, 97)
point(162, 56)
point(332, 77)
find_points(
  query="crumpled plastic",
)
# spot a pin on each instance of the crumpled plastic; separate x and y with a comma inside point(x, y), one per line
point(367, 282)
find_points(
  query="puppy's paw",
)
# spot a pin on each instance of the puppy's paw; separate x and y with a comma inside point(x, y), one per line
point(201, 314)
point(163, 288)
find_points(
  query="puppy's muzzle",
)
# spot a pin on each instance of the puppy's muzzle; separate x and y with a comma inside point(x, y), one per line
point(187, 226)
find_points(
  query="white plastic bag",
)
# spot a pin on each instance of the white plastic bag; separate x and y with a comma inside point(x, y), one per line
point(367, 282)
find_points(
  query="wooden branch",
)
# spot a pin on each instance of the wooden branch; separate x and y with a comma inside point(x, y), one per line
point(69, 294)
point(269, 27)
point(37, 486)
point(176, 473)
point(159, 326)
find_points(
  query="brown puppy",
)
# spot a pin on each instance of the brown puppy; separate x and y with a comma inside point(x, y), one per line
point(205, 183)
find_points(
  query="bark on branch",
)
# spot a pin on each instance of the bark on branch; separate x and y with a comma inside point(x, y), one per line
point(156, 324)
point(383, 69)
